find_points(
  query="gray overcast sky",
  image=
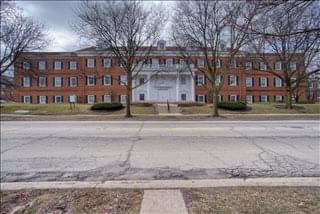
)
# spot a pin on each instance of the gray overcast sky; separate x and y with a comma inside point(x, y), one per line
point(57, 17)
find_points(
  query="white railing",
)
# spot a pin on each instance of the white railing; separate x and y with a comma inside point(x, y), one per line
point(152, 67)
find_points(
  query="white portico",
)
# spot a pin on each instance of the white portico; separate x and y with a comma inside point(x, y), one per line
point(164, 85)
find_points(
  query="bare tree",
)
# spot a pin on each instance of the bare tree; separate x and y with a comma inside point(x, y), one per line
point(290, 34)
point(18, 34)
point(201, 27)
point(128, 29)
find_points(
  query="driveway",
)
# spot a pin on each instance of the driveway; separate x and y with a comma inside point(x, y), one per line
point(100, 151)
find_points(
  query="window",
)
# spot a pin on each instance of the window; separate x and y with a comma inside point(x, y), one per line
point(233, 63)
point(107, 62)
point(183, 80)
point(123, 80)
point(183, 62)
point(57, 81)
point(26, 65)
point(58, 99)
point(169, 62)
point(57, 65)
point(183, 97)
point(233, 98)
point(72, 98)
point(263, 82)
point(249, 81)
point(42, 81)
point(42, 65)
point(107, 80)
point(200, 63)
point(263, 99)
point(219, 98)
point(232, 80)
point(278, 98)
point(248, 65)
point(141, 97)
point(73, 81)
point(218, 64)
point(293, 66)
point(123, 98)
point(293, 82)
point(107, 98)
point(263, 66)
point(141, 81)
point(91, 63)
point(200, 80)
point(27, 99)
point(278, 66)
point(72, 65)
point(201, 99)
point(155, 62)
point(26, 82)
point(90, 99)
point(278, 82)
point(90, 80)
point(218, 80)
point(249, 99)
point(42, 99)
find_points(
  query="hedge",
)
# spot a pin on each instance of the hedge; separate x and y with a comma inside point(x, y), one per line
point(107, 106)
point(190, 104)
point(232, 105)
point(143, 104)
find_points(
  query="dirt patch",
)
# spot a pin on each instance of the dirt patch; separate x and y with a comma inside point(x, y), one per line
point(71, 201)
point(251, 200)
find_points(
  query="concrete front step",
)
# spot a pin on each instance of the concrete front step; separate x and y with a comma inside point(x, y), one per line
point(163, 109)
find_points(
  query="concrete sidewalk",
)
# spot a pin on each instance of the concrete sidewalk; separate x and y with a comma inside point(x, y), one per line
point(166, 184)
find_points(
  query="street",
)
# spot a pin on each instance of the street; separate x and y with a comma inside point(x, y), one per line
point(100, 151)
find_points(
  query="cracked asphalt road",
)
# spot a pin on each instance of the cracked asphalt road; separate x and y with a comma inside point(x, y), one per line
point(100, 151)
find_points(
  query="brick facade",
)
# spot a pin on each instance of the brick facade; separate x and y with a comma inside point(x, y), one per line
point(82, 90)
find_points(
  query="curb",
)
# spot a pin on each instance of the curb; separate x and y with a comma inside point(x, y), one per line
point(165, 184)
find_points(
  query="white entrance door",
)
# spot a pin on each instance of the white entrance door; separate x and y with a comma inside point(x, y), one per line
point(163, 95)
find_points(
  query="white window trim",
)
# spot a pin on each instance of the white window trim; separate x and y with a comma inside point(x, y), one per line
point(263, 66)
point(169, 60)
point(250, 99)
point(104, 79)
point(42, 63)
point(235, 82)
point(106, 62)
point(278, 66)
point(41, 101)
point(92, 100)
point(278, 100)
point(105, 98)
point(55, 99)
point(26, 65)
point(144, 80)
point(55, 65)
point(181, 97)
point(291, 65)
point(55, 83)
point(42, 85)
point(123, 99)
point(276, 85)
point(88, 64)
point(88, 81)
point(233, 96)
point(122, 81)
point(73, 68)
point(144, 96)
point(248, 67)
point(203, 98)
point(264, 96)
point(70, 83)
point(202, 79)
point(218, 63)
point(266, 81)
point(200, 65)
point(25, 98)
point(218, 80)
point(250, 85)
point(25, 81)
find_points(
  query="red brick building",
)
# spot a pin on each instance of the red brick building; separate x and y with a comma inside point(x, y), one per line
point(93, 76)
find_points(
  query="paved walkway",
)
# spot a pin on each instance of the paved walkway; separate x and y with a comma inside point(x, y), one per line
point(173, 110)
point(163, 202)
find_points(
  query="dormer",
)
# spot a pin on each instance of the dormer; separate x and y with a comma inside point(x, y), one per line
point(162, 45)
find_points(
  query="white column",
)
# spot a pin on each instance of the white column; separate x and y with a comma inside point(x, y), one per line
point(177, 87)
point(148, 86)
point(132, 92)
point(192, 88)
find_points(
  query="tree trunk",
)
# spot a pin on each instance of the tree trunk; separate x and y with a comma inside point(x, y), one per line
point(128, 103)
point(215, 112)
point(288, 98)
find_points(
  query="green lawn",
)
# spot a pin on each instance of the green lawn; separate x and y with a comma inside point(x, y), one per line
point(259, 108)
point(64, 109)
